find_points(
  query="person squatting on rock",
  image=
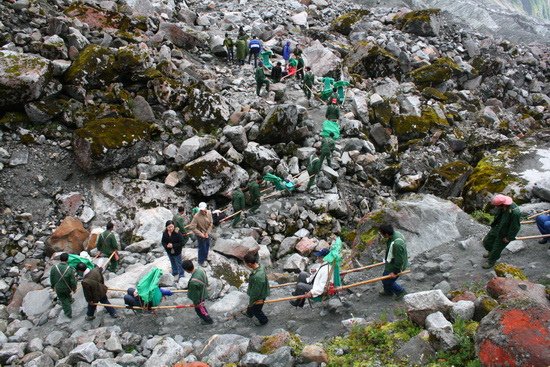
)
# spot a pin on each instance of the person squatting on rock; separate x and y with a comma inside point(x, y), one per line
point(63, 281)
point(543, 224)
point(133, 299)
point(258, 288)
point(313, 284)
point(254, 49)
point(238, 203)
point(327, 147)
point(396, 260)
point(95, 290)
point(229, 47)
point(198, 290)
point(261, 79)
point(106, 244)
point(504, 228)
point(309, 79)
point(201, 225)
point(172, 242)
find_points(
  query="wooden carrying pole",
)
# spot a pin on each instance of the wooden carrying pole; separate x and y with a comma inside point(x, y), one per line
point(533, 237)
point(145, 308)
point(361, 268)
point(537, 214)
point(125, 290)
point(527, 222)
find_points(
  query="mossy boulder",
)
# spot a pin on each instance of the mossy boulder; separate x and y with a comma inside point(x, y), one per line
point(439, 71)
point(23, 77)
point(94, 67)
point(186, 38)
point(381, 113)
point(408, 127)
point(372, 61)
point(424, 22)
point(448, 180)
point(212, 174)
point(44, 110)
point(509, 271)
point(343, 24)
point(432, 93)
point(281, 124)
point(132, 62)
point(205, 111)
point(168, 92)
point(111, 143)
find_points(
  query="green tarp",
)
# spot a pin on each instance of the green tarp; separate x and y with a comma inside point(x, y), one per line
point(279, 183)
point(148, 288)
point(334, 257)
point(330, 127)
point(75, 259)
point(339, 85)
point(265, 56)
point(327, 87)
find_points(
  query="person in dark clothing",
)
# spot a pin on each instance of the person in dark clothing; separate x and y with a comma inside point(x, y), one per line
point(327, 147)
point(133, 299)
point(172, 242)
point(333, 111)
point(198, 290)
point(238, 203)
point(396, 260)
point(95, 290)
point(180, 223)
point(309, 79)
point(300, 66)
point(255, 194)
point(277, 73)
point(63, 281)
point(258, 288)
point(260, 78)
point(313, 169)
point(107, 244)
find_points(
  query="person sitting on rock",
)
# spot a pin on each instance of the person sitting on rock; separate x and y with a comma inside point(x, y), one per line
point(260, 78)
point(543, 223)
point(107, 245)
point(313, 284)
point(504, 228)
point(198, 290)
point(333, 111)
point(95, 290)
point(63, 281)
point(258, 288)
point(277, 72)
point(396, 260)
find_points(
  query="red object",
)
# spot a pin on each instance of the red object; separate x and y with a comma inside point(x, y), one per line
point(291, 70)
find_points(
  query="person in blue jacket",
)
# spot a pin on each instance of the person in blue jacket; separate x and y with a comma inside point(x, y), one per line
point(254, 48)
point(287, 51)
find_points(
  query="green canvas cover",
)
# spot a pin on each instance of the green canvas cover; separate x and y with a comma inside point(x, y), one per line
point(334, 257)
point(331, 127)
point(327, 87)
point(75, 259)
point(278, 182)
point(339, 85)
point(148, 287)
point(265, 56)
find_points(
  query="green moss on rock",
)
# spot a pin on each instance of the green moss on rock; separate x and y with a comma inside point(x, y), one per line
point(372, 61)
point(344, 22)
point(432, 93)
point(94, 67)
point(509, 271)
point(453, 171)
point(408, 127)
point(420, 22)
point(439, 71)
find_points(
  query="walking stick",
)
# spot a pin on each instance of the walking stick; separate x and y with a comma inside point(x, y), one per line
point(537, 214)
point(533, 237)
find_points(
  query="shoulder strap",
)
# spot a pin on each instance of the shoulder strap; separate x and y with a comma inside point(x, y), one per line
point(62, 277)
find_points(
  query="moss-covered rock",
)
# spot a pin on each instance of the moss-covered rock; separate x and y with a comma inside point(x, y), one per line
point(509, 271)
point(439, 71)
point(344, 22)
point(381, 113)
point(94, 67)
point(98, 18)
point(205, 111)
point(372, 61)
point(132, 63)
point(12, 119)
point(407, 127)
point(110, 143)
point(23, 77)
point(432, 93)
point(424, 22)
point(281, 125)
point(448, 180)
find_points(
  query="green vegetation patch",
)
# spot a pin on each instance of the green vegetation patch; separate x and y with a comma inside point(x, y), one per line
point(94, 66)
point(509, 271)
point(226, 272)
point(344, 22)
point(439, 71)
point(465, 353)
point(408, 127)
point(483, 217)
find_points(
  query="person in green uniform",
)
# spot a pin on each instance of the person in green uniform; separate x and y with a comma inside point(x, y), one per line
point(504, 228)
point(63, 281)
point(197, 290)
point(327, 146)
point(313, 168)
point(241, 47)
point(255, 194)
point(261, 79)
point(300, 67)
point(309, 79)
point(229, 45)
point(106, 244)
point(238, 202)
point(396, 260)
point(258, 288)
point(333, 111)
point(179, 221)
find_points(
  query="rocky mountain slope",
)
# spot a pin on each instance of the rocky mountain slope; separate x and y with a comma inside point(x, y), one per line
point(125, 110)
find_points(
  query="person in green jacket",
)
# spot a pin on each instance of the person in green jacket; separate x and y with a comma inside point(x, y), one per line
point(504, 228)
point(179, 221)
point(255, 194)
point(260, 78)
point(197, 290)
point(238, 203)
point(309, 79)
point(63, 281)
point(229, 45)
point(258, 288)
point(396, 260)
point(313, 169)
point(300, 67)
point(327, 146)
point(333, 111)
point(106, 244)
point(241, 46)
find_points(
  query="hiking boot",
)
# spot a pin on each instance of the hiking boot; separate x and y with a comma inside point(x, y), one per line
point(487, 265)
point(486, 255)
point(90, 318)
point(258, 323)
point(543, 241)
point(384, 294)
point(399, 296)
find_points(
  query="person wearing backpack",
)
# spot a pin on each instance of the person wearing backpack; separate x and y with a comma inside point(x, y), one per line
point(229, 46)
point(107, 245)
point(63, 281)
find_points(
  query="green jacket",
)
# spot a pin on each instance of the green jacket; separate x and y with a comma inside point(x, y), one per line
point(62, 278)
point(327, 146)
point(400, 260)
point(506, 222)
point(258, 286)
point(259, 75)
point(106, 243)
point(228, 43)
point(314, 166)
point(179, 221)
point(293, 62)
point(198, 286)
point(309, 79)
point(241, 49)
point(238, 200)
point(254, 191)
point(333, 112)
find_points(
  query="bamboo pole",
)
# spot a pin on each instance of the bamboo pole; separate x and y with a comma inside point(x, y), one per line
point(145, 308)
point(282, 285)
point(288, 75)
point(537, 214)
point(527, 222)
point(125, 290)
point(361, 268)
point(533, 237)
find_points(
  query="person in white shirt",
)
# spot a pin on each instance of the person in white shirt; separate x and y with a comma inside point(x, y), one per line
point(315, 283)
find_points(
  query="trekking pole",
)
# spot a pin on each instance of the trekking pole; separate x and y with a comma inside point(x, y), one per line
point(533, 237)
point(537, 214)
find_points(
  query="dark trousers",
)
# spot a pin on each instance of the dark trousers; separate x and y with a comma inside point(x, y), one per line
point(204, 246)
point(65, 299)
point(104, 300)
point(302, 287)
point(230, 54)
point(494, 247)
point(202, 312)
point(543, 223)
point(254, 52)
point(175, 262)
point(391, 286)
point(256, 310)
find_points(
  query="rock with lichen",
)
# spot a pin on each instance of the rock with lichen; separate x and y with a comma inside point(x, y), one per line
point(370, 60)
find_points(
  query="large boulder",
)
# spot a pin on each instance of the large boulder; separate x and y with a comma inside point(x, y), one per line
point(194, 147)
point(509, 289)
point(36, 303)
point(322, 60)
point(224, 349)
point(94, 67)
point(23, 77)
point(448, 180)
point(147, 7)
point(281, 124)
point(422, 304)
point(110, 143)
point(229, 303)
point(184, 38)
point(70, 236)
point(515, 335)
point(237, 136)
point(372, 61)
point(407, 127)
point(166, 353)
point(439, 71)
point(258, 156)
point(424, 22)
point(343, 24)
point(150, 223)
point(212, 174)
point(206, 112)
point(22, 290)
point(85, 352)
point(236, 248)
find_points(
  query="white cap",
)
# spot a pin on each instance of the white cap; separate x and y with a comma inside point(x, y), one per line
point(202, 206)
